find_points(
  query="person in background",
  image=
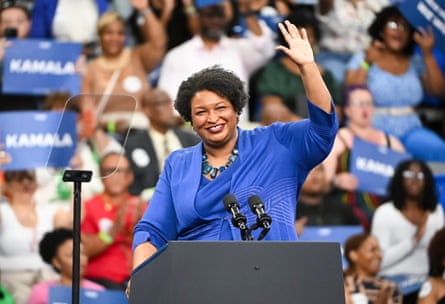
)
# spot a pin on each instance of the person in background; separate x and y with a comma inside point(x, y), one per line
point(115, 81)
point(211, 46)
point(15, 23)
point(148, 149)
point(59, 20)
point(188, 200)
point(56, 249)
point(23, 223)
point(108, 223)
point(358, 111)
point(315, 208)
point(406, 223)
point(179, 18)
point(343, 26)
point(433, 290)
point(265, 10)
point(271, 113)
point(92, 143)
point(398, 79)
point(362, 283)
point(279, 81)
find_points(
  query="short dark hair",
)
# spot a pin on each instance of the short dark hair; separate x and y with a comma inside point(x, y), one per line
point(302, 16)
point(215, 79)
point(19, 175)
point(375, 30)
point(353, 243)
point(51, 242)
point(436, 254)
point(397, 192)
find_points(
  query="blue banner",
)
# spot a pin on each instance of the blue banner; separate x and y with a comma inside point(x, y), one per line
point(407, 283)
point(62, 295)
point(422, 13)
point(373, 165)
point(38, 67)
point(36, 139)
point(337, 234)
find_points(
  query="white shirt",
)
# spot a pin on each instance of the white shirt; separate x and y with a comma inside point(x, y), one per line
point(345, 27)
point(243, 56)
point(75, 20)
point(163, 143)
point(49, 179)
point(19, 245)
point(395, 233)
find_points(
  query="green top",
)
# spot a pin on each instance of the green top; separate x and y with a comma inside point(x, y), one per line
point(276, 80)
point(5, 296)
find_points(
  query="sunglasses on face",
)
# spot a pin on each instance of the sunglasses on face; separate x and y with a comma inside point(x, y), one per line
point(110, 171)
point(396, 25)
point(361, 103)
point(413, 175)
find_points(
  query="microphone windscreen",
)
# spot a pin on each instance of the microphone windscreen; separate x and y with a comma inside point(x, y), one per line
point(229, 200)
point(254, 201)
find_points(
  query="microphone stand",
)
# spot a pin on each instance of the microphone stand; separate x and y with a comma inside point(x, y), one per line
point(247, 235)
point(78, 177)
point(263, 222)
point(263, 233)
point(238, 220)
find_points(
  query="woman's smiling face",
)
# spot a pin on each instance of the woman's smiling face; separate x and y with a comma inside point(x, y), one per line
point(214, 118)
point(112, 38)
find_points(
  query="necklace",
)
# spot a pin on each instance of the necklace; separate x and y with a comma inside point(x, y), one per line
point(213, 171)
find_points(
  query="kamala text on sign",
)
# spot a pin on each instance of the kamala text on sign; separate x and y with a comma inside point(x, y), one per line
point(424, 13)
point(373, 165)
point(38, 67)
point(36, 139)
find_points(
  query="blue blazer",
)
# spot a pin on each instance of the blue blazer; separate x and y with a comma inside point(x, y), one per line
point(273, 163)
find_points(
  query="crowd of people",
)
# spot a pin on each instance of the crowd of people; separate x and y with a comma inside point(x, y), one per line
point(183, 101)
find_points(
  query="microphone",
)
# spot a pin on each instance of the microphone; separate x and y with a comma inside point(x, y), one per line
point(263, 219)
point(238, 219)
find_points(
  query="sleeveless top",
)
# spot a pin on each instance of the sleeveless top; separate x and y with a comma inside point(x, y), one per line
point(19, 245)
point(363, 203)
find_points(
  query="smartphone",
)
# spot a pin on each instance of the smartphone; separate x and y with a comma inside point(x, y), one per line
point(10, 32)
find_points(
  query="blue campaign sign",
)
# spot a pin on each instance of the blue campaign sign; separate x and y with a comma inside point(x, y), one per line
point(38, 67)
point(424, 13)
point(373, 165)
point(36, 139)
point(407, 283)
point(337, 234)
point(62, 295)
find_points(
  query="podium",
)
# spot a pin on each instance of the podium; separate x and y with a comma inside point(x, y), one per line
point(257, 272)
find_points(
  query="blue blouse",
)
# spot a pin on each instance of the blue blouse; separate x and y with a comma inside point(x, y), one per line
point(391, 90)
point(273, 163)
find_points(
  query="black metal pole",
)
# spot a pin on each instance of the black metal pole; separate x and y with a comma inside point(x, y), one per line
point(76, 176)
point(76, 245)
